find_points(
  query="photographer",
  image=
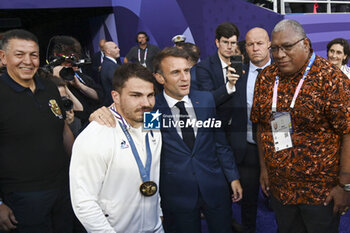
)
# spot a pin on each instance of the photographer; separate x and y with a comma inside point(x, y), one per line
point(69, 104)
point(67, 65)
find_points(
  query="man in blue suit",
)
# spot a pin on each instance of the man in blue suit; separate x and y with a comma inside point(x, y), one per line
point(212, 72)
point(194, 169)
point(197, 165)
point(240, 128)
point(108, 66)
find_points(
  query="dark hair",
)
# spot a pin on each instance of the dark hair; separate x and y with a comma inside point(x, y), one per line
point(142, 33)
point(345, 45)
point(241, 47)
point(192, 50)
point(130, 70)
point(227, 30)
point(65, 45)
point(168, 52)
point(17, 34)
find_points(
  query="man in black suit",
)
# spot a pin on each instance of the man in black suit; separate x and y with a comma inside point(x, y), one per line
point(241, 128)
point(108, 66)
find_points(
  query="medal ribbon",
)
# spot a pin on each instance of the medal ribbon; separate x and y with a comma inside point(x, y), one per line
point(297, 90)
point(145, 171)
point(139, 55)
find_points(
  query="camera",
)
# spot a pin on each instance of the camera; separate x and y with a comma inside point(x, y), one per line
point(67, 104)
point(67, 73)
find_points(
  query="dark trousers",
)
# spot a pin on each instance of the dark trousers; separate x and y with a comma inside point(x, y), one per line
point(47, 211)
point(305, 218)
point(249, 171)
point(189, 221)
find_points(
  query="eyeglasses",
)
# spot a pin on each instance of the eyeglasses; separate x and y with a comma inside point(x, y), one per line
point(284, 48)
point(227, 43)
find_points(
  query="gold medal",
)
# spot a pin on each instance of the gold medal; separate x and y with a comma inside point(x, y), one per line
point(148, 188)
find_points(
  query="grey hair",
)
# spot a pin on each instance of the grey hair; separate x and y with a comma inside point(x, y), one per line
point(290, 24)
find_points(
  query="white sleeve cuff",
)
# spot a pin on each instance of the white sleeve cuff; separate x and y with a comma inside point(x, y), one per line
point(230, 90)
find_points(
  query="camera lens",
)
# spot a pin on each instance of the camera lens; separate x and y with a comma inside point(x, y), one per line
point(67, 104)
point(67, 73)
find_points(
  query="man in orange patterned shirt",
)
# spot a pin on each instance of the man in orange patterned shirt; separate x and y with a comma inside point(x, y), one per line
point(302, 107)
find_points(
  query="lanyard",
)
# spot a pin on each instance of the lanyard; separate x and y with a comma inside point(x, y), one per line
point(297, 90)
point(139, 55)
point(145, 171)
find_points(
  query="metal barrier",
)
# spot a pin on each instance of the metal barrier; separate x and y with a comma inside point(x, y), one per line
point(283, 8)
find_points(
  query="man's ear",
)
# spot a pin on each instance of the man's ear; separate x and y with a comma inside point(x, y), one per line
point(307, 43)
point(160, 79)
point(2, 57)
point(217, 42)
point(116, 97)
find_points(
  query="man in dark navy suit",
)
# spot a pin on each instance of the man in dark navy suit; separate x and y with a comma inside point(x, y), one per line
point(241, 129)
point(197, 162)
point(212, 72)
point(97, 60)
point(108, 66)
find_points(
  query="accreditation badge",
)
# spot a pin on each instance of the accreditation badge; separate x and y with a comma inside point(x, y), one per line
point(148, 188)
point(281, 126)
point(55, 109)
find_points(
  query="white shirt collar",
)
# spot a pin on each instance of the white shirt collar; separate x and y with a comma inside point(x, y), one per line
point(253, 67)
point(223, 64)
point(171, 101)
point(112, 59)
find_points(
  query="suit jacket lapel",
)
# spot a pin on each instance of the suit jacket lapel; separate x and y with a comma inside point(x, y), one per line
point(216, 62)
point(199, 109)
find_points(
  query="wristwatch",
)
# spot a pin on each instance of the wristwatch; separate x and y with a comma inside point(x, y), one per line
point(346, 187)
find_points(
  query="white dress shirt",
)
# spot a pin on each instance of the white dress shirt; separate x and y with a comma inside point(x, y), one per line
point(112, 59)
point(175, 111)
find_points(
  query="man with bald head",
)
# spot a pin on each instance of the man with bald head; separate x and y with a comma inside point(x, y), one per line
point(97, 59)
point(241, 128)
point(109, 64)
point(302, 108)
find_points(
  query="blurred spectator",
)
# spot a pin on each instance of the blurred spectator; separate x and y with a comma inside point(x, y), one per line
point(143, 52)
point(109, 65)
point(240, 50)
point(338, 53)
point(69, 104)
point(194, 53)
point(178, 39)
point(97, 60)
